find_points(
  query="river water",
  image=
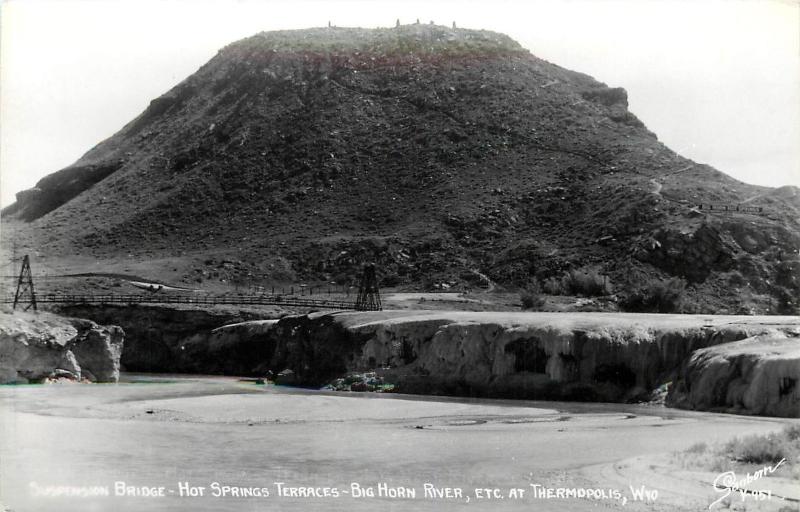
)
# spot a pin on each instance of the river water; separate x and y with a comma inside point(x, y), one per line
point(185, 439)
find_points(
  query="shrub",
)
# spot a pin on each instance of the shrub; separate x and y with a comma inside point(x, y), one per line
point(792, 432)
point(656, 297)
point(531, 297)
point(786, 302)
point(552, 286)
point(697, 448)
point(759, 449)
point(786, 274)
point(736, 279)
point(390, 280)
point(755, 449)
point(588, 282)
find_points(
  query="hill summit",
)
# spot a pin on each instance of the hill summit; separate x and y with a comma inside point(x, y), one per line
point(447, 156)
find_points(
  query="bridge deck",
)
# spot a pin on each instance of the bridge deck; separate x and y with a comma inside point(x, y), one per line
point(206, 300)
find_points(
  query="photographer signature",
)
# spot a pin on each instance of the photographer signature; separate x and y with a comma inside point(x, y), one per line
point(726, 483)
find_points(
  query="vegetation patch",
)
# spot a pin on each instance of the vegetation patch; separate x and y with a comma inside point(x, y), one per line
point(588, 282)
point(657, 296)
point(531, 297)
point(748, 452)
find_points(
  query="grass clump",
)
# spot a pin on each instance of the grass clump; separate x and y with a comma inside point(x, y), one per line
point(759, 449)
point(697, 448)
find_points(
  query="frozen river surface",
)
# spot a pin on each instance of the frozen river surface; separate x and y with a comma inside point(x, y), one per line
point(196, 442)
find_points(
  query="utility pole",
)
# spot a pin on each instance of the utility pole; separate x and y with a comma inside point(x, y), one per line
point(25, 292)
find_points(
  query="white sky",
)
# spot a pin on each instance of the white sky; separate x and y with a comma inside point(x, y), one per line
point(717, 81)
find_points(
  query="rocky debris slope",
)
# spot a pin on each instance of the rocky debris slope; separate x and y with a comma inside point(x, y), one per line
point(757, 375)
point(439, 154)
point(36, 347)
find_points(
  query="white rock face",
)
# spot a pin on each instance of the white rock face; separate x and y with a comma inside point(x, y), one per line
point(603, 356)
point(98, 350)
point(586, 356)
point(227, 336)
point(757, 375)
point(34, 347)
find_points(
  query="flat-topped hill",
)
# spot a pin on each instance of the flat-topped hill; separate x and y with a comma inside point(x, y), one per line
point(447, 156)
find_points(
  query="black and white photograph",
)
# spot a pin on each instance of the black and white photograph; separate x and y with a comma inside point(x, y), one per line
point(354, 255)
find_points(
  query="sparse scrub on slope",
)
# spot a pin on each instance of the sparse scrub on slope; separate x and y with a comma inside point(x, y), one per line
point(656, 296)
point(587, 282)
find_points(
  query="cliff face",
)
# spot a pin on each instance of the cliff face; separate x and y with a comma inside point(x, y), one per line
point(608, 357)
point(181, 341)
point(732, 363)
point(433, 152)
point(588, 356)
point(43, 346)
point(757, 375)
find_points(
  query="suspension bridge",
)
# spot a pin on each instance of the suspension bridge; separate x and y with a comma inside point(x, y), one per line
point(26, 297)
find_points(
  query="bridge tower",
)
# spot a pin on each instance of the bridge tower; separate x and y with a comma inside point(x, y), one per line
point(369, 297)
point(25, 292)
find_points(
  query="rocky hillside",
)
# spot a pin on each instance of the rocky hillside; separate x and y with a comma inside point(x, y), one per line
point(444, 155)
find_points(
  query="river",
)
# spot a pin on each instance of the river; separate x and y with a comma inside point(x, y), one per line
point(174, 435)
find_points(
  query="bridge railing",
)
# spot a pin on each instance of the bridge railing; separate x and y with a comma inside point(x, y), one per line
point(730, 208)
point(206, 300)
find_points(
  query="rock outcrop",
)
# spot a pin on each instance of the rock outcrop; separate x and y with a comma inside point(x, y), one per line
point(234, 349)
point(757, 375)
point(58, 188)
point(692, 255)
point(609, 357)
point(159, 339)
point(98, 350)
point(733, 363)
point(36, 347)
